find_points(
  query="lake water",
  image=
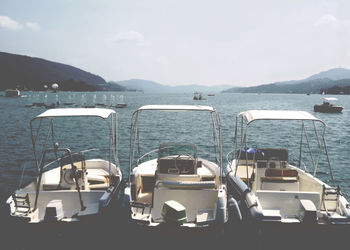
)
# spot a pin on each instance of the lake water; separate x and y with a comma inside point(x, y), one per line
point(16, 147)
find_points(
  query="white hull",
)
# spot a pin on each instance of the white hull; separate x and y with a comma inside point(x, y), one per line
point(96, 194)
point(201, 194)
point(285, 200)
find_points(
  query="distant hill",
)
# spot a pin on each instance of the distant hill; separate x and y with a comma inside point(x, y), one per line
point(313, 84)
point(154, 87)
point(143, 85)
point(332, 74)
point(33, 73)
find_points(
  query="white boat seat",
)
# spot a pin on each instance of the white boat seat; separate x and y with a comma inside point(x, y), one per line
point(51, 179)
point(242, 172)
point(96, 172)
point(97, 175)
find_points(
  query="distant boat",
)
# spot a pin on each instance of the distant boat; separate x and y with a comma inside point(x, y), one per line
point(211, 94)
point(100, 104)
point(198, 96)
point(327, 107)
point(38, 104)
point(89, 106)
point(12, 93)
point(120, 104)
point(307, 93)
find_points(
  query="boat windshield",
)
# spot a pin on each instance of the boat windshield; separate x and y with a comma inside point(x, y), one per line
point(171, 149)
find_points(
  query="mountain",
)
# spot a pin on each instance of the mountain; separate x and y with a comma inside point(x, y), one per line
point(154, 87)
point(33, 73)
point(143, 85)
point(333, 74)
point(313, 84)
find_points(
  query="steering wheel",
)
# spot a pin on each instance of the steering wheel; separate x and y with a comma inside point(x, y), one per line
point(184, 168)
point(68, 176)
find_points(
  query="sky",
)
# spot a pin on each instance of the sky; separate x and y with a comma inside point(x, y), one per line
point(178, 42)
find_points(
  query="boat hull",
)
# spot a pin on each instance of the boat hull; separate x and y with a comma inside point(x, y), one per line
point(328, 109)
point(253, 204)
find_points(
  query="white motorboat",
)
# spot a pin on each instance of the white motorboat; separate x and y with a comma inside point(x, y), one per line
point(70, 186)
point(176, 187)
point(273, 187)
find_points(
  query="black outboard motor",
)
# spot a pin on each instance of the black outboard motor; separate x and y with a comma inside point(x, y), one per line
point(54, 211)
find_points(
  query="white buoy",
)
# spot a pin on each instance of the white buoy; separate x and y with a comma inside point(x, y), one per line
point(54, 86)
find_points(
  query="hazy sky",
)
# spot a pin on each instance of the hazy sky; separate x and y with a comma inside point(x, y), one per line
point(183, 41)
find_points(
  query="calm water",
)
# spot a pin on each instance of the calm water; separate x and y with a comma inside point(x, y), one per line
point(16, 150)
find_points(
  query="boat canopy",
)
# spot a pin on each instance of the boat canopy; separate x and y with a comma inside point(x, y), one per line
point(69, 112)
point(177, 108)
point(330, 99)
point(252, 115)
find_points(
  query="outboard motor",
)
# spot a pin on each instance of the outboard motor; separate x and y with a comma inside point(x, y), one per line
point(54, 211)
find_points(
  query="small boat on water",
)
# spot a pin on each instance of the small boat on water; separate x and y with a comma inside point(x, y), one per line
point(327, 106)
point(273, 190)
point(120, 104)
point(70, 186)
point(198, 96)
point(175, 187)
point(12, 93)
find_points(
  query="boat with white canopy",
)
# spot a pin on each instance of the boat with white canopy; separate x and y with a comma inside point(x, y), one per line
point(272, 185)
point(176, 186)
point(70, 185)
point(328, 106)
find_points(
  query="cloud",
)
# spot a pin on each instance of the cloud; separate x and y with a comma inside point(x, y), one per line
point(32, 26)
point(8, 23)
point(128, 36)
point(327, 20)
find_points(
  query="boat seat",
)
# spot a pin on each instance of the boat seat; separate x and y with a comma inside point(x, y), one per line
point(242, 172)
point(51, 179)
point(283, 179)
point(280, 175)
